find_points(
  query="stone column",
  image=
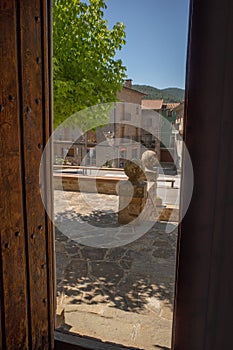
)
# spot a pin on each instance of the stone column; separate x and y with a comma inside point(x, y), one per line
point(132, 193)
point(139, 192)
point(149, 163)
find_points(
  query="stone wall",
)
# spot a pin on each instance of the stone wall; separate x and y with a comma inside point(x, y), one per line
point(74, 183)
point(130, 95)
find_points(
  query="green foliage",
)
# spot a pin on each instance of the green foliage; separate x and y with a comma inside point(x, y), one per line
point(90, 118)
point(168, 94)
point(85, 71)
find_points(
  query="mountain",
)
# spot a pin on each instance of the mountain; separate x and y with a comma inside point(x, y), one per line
point(168, 94)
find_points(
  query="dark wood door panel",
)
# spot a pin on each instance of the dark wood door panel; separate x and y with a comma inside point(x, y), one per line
point(13, 252)
point(26, 251)
point(203, 310)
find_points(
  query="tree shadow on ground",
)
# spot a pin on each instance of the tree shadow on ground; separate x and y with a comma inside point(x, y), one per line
point(135, 277)
point(100, 218)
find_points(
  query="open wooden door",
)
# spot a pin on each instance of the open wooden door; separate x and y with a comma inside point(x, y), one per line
point(26, 241)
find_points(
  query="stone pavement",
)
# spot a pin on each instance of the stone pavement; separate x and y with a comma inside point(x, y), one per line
point(122, 294)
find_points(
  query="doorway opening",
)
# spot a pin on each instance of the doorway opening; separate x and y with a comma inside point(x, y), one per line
point(115, 273)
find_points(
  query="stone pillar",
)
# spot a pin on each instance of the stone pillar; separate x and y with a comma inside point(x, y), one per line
point(139, 191)
point(149, 162)
point(132, 193)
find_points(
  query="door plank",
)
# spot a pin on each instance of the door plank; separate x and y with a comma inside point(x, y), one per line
point(26, 241)
point(33, 108)
point(13, 262)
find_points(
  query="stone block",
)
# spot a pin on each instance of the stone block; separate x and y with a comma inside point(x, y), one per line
point(60, 316)
point(124, 217)
point(135, 208)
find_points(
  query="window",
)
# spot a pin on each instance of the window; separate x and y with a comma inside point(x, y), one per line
point(134, 153)
point(122, 132)
point(70, 152)
point(135, 136)
point(123, 153)
point(126, 116)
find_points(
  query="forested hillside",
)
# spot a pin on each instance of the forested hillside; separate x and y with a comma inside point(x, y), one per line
point(168, 94)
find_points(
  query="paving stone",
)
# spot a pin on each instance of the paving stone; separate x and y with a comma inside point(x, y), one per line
point(73, 249)
point(62, 259)
point(59, 236)
point(74, 271)
point(142, 254)
point(60, 247)
point(166, 312)
point(125, 264)
point(110, 271)
point(163, 249)
point(154, 305)
point(93, 253)
point(115, 254)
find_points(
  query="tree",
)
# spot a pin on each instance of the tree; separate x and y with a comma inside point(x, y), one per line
point(85, 71)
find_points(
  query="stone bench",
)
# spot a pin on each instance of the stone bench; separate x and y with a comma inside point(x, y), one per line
point(168, 180)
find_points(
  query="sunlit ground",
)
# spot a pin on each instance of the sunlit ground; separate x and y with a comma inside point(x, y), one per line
point(123, 294)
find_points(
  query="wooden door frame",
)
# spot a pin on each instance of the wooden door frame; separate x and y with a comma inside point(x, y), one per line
point(203, 315)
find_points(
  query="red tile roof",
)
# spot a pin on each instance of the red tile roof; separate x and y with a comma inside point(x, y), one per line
point(152, 104)
point(171, 105)
point(179, 107)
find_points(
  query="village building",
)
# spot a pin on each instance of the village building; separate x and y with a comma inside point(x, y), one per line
point(123, 134)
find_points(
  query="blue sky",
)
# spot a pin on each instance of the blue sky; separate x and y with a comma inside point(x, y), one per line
point(156, 35)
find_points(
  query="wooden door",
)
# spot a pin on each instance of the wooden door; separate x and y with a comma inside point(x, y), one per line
point(26, 241)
